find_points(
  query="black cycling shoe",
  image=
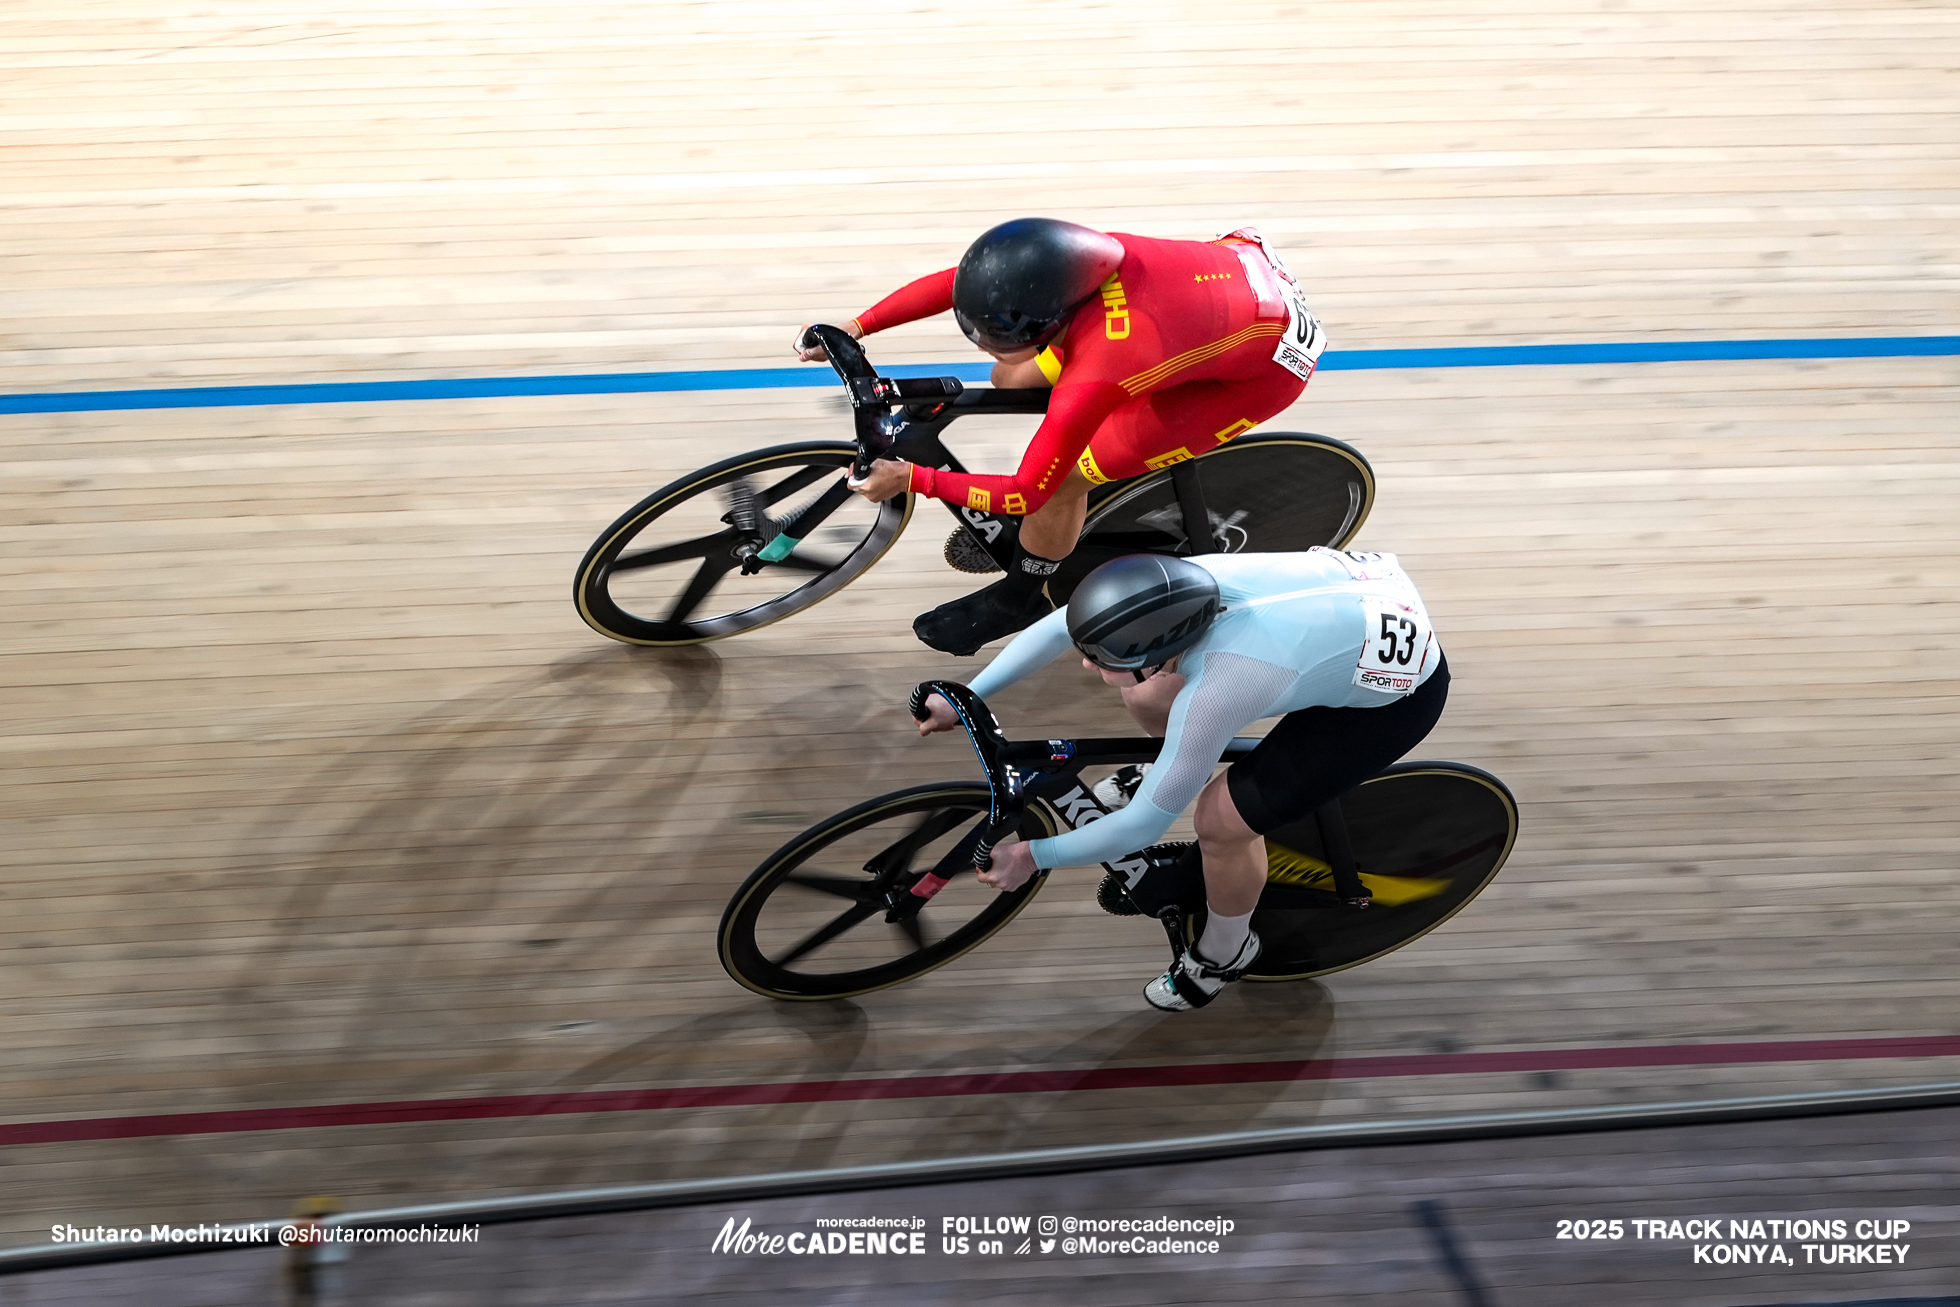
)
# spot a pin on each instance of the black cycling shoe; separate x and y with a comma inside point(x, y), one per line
point(963, 625)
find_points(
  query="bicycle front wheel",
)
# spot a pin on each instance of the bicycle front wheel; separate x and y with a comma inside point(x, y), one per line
point(671, 570)
point(810, 923)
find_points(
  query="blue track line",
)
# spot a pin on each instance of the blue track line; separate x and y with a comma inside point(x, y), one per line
point(618, 383)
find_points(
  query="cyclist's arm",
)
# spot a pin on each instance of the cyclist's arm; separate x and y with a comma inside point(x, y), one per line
point(1222, 695)
point(1074, 415)
point(927, 297)
point(1030, 651)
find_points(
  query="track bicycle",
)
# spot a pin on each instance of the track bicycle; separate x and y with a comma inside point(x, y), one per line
point(754, 538)
point(882, 893)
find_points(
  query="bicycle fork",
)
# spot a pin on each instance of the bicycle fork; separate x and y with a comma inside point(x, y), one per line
point(903, 903)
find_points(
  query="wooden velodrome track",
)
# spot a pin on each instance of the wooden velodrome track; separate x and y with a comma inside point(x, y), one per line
point(319, 794)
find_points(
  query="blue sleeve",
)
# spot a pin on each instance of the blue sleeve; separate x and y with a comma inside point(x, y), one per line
point(1221, 695)
point(1028, 652)
point(1137, 825)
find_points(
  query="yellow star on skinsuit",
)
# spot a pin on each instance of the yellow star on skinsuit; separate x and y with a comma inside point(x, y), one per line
point(1286, 866)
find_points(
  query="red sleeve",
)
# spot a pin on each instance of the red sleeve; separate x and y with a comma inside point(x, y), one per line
point(1075, 413)
point(924, 298)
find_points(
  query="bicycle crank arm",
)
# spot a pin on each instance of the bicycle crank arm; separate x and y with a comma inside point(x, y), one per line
point(797, 528)
point(1171, 918)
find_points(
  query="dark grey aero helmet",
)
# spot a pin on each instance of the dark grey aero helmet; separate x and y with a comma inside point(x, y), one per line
point(1016, 286)
point(1141, 610)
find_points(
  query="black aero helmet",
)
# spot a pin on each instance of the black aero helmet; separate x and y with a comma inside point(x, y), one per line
point(1141, 610)
point(1017, 284)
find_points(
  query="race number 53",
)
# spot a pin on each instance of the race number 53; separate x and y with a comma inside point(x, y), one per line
point(1397, 643)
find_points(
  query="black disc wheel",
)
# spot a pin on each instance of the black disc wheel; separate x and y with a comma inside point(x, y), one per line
point(1427, 838)
point(816, 920)
point(1269, 492)
point(680, 568)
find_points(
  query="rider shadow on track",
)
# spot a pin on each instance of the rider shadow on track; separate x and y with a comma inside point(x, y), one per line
point(481, 896)
point(484, 895)
point(479, 846)
point(516, 891)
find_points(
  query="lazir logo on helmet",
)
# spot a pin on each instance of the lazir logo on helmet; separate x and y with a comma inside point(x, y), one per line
point(1178, 632)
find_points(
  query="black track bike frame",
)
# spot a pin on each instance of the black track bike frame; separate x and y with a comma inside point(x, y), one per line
point(904, 418)
point(1047, 771)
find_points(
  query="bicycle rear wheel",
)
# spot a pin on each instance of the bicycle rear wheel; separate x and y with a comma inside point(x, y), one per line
point(669, 571)
point(1427, 838)
point(1269, 492)
point(810, 922)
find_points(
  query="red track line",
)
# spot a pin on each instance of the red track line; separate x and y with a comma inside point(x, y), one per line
point(245, 1120)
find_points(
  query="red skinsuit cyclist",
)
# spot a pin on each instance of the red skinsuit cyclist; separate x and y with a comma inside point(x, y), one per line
point(1168, 356)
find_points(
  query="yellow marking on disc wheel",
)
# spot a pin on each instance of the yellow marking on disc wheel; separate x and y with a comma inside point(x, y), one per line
point(1286, 866)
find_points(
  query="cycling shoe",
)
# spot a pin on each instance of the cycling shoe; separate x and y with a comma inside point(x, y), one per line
point(963, 625)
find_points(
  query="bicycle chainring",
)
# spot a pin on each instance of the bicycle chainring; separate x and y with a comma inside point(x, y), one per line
point(964, 553)
point(1114, 898)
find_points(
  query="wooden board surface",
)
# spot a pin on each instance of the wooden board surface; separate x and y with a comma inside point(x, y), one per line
point(317, 791)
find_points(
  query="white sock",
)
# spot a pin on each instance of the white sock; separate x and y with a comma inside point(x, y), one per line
point(1223, 937)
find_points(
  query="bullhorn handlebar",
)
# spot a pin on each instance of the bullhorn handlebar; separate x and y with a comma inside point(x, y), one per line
point(990, 747)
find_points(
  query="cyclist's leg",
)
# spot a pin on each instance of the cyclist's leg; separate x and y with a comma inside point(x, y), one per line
point(1316, 755)
point(1184, 421)
point(961, 626)
point(1309, 758)
point(1154, 431)
point(1234, 853)
point(1050, 532)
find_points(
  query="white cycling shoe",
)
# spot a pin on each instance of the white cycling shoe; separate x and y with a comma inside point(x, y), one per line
point(1193, 982)
point(1120, 786)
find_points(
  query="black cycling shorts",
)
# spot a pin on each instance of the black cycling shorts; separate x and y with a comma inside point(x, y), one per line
point(1316, 755)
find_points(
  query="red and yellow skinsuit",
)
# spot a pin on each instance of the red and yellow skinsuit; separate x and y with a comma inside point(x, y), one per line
point(1173, 358)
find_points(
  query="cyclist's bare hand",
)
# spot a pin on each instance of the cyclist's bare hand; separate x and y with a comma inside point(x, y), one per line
point(888, 477)
point(1013, 865)
point(817, 353)
point(939, 716)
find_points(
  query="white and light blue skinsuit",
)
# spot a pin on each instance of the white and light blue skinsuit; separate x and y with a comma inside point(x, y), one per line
point(1294, 634)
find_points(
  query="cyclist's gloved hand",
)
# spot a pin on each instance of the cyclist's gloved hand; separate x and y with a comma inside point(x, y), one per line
point(1013, 865)
point(939, 716)
point(888, 477)
point(817, 353)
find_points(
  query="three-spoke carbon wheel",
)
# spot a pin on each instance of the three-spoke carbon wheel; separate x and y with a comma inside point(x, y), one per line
point(813, 921)
point(679, 568)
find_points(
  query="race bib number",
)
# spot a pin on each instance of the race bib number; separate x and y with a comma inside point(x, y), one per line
point(1396, 648)
point(1300, 344)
